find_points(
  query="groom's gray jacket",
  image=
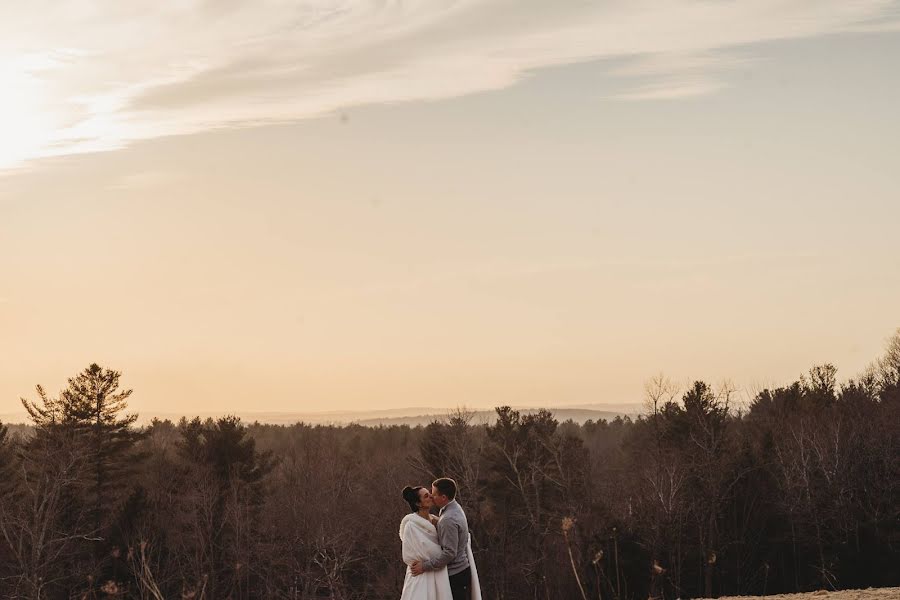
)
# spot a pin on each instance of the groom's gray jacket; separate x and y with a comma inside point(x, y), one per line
point(453, 536)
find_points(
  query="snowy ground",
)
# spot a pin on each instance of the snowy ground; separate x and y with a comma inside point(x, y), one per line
point(869, 594)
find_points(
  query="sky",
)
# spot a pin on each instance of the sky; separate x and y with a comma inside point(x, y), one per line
point(311, 206)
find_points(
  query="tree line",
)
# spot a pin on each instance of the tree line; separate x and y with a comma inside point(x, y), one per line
point(698, 497)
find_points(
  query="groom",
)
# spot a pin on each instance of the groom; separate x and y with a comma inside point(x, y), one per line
point(453, 536)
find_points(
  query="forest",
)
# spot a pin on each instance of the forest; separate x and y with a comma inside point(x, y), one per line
point(701, 496)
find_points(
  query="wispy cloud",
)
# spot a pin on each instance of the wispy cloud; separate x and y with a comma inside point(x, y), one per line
point(101, 74)
point(676, 75)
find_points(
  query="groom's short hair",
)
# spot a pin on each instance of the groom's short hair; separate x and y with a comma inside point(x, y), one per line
point(446, 486)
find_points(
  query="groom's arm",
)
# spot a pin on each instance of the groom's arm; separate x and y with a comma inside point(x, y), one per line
point(448, 538)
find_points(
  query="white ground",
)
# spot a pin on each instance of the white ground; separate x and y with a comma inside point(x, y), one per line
point(869, 594)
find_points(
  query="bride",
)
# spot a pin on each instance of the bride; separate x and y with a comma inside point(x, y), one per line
point(420, 543)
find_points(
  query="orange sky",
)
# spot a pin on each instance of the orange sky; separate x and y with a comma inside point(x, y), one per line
point(551, 225)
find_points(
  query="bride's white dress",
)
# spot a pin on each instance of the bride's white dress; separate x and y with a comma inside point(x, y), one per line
point(420, 542)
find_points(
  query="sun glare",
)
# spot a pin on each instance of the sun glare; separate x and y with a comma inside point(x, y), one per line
point(26, 118)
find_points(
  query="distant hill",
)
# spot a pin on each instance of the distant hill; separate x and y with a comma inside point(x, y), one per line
point(412, 416)
point(579, 416)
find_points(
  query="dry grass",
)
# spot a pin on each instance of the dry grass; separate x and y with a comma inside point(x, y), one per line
point(869, 594)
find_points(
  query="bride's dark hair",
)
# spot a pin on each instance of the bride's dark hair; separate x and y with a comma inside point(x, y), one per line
point(411, 495)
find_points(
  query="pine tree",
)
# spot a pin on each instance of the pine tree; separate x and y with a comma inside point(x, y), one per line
point(91, 409)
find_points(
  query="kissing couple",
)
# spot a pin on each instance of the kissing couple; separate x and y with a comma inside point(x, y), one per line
point(437, 549)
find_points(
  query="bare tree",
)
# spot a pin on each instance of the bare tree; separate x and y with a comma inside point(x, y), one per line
point(41, 527)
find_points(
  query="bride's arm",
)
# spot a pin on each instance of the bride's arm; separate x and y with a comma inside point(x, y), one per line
point(412, 551)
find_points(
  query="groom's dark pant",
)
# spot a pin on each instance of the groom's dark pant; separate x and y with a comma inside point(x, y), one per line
point(459, 584)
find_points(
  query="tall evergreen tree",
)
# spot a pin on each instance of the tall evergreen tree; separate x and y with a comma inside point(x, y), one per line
point(93, 409)
point(88, 421)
